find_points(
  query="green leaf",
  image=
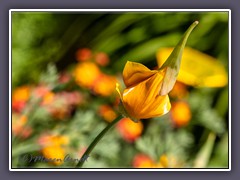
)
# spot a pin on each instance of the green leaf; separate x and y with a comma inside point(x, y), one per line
point(50, 76)
point(205, 152)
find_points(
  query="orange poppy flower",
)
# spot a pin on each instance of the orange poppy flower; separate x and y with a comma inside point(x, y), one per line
point(142, 161)
point(141, 97)
point(146, 93)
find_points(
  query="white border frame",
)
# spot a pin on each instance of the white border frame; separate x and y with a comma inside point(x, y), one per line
point(119, 10)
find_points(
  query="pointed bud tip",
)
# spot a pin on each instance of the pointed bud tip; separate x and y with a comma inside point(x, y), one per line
point(196, 22)
point(173, 63)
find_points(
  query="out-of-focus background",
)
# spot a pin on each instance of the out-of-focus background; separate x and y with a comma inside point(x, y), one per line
point(64, 70)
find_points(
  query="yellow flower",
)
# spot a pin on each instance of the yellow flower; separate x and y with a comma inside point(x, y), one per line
point(197, 69)
point(141, 97)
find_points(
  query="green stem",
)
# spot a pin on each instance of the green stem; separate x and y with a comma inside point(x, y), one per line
point(95, 141)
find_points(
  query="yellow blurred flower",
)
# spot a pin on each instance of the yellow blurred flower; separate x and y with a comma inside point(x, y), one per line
point(48, 98)
point(162, 163)
point(180, 113)
point(129, 130)
point(107, 113)
point(105, 85)
point(52, 140)
point(53, 147)
point(55, 154)
point(168, 161)
point(141, 97)
point(197, 69)
point(59, 140)
point(165, 161)
point(86, 74)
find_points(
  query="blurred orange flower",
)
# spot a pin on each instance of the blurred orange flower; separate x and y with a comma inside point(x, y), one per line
point(129, 130)
point(83, 54)
point(179, 90)
point(59, 108)
point(21, 93)
point(48, 98)
point(52, 140)
point(18, 106)
point(19, 127)
point(19, 98)
point(180, 113)
point(102, 59)
point(60, 105)
point(72, 98)
point(40, 91)
point(107, 113)
point(141, 97)
point(165, 161)
point(105, 85)
point(86, 74)
point(142, 161)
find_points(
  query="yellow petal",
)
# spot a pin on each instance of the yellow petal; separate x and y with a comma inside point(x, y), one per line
point(142, 101)
point(134, 73)
point(118, 91)
point(197, 69)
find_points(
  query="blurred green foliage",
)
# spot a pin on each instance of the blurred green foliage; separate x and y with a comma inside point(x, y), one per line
point(40, 39)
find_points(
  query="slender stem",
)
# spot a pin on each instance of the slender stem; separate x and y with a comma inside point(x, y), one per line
point(95, 141)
